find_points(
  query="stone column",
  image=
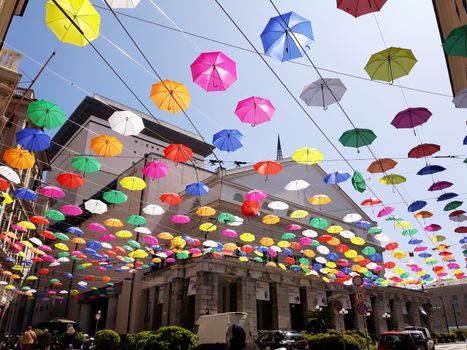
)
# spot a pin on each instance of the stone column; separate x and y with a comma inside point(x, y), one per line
point(311, 299)
point(247, 302)
point(378, 310)
point(112, 307)
point(206, 293)
point(176, 302)
point(397, 318)
point(283, 307)
point(85, 317)
point(414, 314)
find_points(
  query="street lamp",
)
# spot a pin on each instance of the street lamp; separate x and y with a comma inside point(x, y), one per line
point(343, 312)
point(387, 316)
point(317, 308)
point(98, 317)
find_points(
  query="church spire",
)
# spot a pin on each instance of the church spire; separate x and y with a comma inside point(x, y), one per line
point(279, 148)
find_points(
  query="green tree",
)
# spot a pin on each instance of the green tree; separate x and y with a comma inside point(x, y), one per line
point(319, 321)
point(107, 339)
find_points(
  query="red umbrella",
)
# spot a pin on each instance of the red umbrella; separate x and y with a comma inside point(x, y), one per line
point(424, 150)
point(324, 238)
point(457, 213)
point(268, 167)
point(371, 201)
point(381, 165)
point(250, 208)
point(49, 235)
point(37, 219)
point(170, 198)
point(247, 248)
point(360, 7)
point(461, 229)
point(4, 185)
point(440, 185)
point(178, 153)
point(391, 246)
point(70, 180)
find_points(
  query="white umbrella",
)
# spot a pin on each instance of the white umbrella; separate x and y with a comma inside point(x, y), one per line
point(143, 230)
point(153, 209)
point(64, 259)
point(322, 249)
point(210, 244)
point(381, 237)
point(459, 218)
point(320, 93)
point(460, 101)
point(320, 259)
point(297, 185)
point(9, 174)
point(310, 233)
point(123, 4)
point(126, 123)
point(278, 205)
point(95, 206)
point(36, 241)
point(106, 245)
point(238, 221)
point(347, 234)
point(352, 218)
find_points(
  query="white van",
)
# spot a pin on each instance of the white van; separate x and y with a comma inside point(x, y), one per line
point(212, 329)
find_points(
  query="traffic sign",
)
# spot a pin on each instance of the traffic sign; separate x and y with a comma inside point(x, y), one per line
point(337, 305)
point(357, 281)
point(359, 297)
point(361, 308)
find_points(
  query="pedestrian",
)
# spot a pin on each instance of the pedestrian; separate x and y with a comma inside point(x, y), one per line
point(69, 336)
point(28, 339)
point(236, 337)
point(44, 340)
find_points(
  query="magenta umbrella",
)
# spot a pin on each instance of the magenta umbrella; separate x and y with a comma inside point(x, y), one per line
point(305, 241)
point(386, 211)
point(107, 238)
point(94, 226)
point(411, 118)
point(155, 170)
point(256, 195)
point(293, 227)
point(71, 210)
point(421, 249)
point(180, 219)
point(229, 233)
point(52, 192)
point(255, 110)
point(433, 228)
point(359, 8)
point(440, 185)
point(453, 266)
point(194, 251)
point(19, 228)
point(214, 71)
point(150, 239)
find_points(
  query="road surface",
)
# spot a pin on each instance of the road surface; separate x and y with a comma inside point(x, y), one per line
point(457, 346)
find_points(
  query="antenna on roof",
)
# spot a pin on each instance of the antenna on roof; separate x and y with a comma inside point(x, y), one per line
point(279, 148)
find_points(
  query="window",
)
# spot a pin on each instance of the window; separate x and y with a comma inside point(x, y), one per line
point(465, 299)
point(238, 197)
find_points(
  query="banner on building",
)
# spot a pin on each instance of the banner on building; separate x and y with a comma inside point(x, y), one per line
point(294, 295)
point(160, 297)
point(387, 306)
point(404, 309)
point(191, 287)
point(321, 298)
point(346, 303)
point(262, 291)
point(367, 302)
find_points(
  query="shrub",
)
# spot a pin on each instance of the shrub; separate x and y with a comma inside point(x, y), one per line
point(461, 334)
point(135, 341)
point(332, 339)
point(38, 332)
point(173, 338)
point(107, 339)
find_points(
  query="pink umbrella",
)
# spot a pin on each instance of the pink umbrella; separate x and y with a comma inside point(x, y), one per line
point(180, 219)
point(256, 195)
point(151, 240)
point(48, 258)
point(169, 252)
point(229, 233)
point(94, 226)
point(156, 170)
point(453, 266)
point(440, 185)
point(214, 71)
point(19, 228)
point(107, 238)
point(170, 260)
point(255, 110)
point(52, 192)
point(432, 228)
point(194, 251)
point(101, 268)
point(293, 227)
point(71, 210)
point(411, 118)
point(378, 268)
point(385, 211)
point(420, 249)
point(443, 274)
point(45, 248)
point(272, 252)
point(76, 253)
point(305, 241)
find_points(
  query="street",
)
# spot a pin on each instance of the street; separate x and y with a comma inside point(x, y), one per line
point(456, 346)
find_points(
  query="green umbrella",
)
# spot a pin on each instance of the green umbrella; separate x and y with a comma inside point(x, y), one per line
point(405, 275)
point(465, 160)
point(368, 251)
point(358, 182)
point(46, 114)
point(183, 255)
point(375, 230)
point(135, 220)
point(63, 254)
point(319, 223)
point(54, 280)
point(431, 262)
point(453, 205)
point(61, 236)
point(54, 215)
point(127, 248)
point(368, 274)
point(133, 243)
point(86, 164)
point(115, 197)
point(357, 138)
point(304, 261)
point(409, 232)
point(258, 259)
point(226, 218)
point(81, 267)
point(74, 257)
point(288, 235)
point(456, 42)
point(393, 218)
point(315, 243)
point(390, 64)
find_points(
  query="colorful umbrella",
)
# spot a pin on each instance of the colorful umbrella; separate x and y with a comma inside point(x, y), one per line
point(70, 180)
point(286, 36)
point(106, 146)
point(371, 201)
point(170, 96)
point(336, 178)
point(250, 208)
point(456, 42)
point(357, 138)
point(86, 164)
point(390, 64)
point(180, 219)
point(197, 189)
point(385, 211)
point(411, 118)
point(95, 206)
point(84, 16)
point(323, 92)
point(54, 215)
point(228, 140)
point(170, 198)
point(359, 8)
point(307, 156)
point(45, 114)
point(155, 170)
point(392, 179)
point(440, 185)
point(452, 205)
point(115, 197)
point(255, 110)
point(71, 210)
point(25, 193)
point(358, 182)
point(320, 199)
point(33, 139)
point(214, 71)
point(132, 183)
point(205, 211)
point(268, 167)
point(430, 169)
point(381, 165)
point(460, 101)
point(126, 123)
point(178, 153)
point(424, 150)
point(136, 220)
point(19, 158)
point(416, 206)
point(125, 4)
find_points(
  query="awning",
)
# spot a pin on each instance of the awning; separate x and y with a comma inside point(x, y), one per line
point(422, 310)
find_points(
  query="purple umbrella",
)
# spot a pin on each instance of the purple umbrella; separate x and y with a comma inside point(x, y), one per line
point(214, 71)
point(440, 185)
point(255, 110)
point(411, 118)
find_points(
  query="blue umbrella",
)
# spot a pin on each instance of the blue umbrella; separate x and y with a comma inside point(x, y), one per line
point(317, 267)
point(346, 270)
point(446, 196)
point(424, 255)
point(287, 251)
point(465, 140)
point(425, 277)
point(197, 189)
point(431, 169)
point(332, 256)
point(75, 231)
point(228, 140)
point(414, 241)
point(463, 240)
point(89, 251)
point(33, 139)
point(417, 205)
point(68, 275)
point(376, 257)
point(363, 224)
point(336, 177)
point(26, 194)
point(281, 43)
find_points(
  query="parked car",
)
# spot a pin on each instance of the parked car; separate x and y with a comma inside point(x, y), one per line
point(290, 340)
point(396, 341)
point(426, 333)
point(419, 339)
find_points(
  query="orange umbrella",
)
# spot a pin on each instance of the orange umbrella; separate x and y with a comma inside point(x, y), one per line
point(170, 96)
point(424, 214)
point(178, 153)
point(268, 167)
point(106, 146)
point(170, 198)
point(381, 165)
point(41, 220)
point(19, 158)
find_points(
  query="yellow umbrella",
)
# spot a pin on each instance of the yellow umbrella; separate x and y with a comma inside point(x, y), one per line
point(9, 287)
point(299, 214)
point(178, 242)
point(205, 211)
point(170, 96)
point(331, 264)
point(32, 278)
point(271, 264)
point(266, 241)
point(270, 219)
point(247, 237)
point(61, 246)
point(334, 229)
point(106, 146)
point(398, 270)
point(84, 15)
point(113, 222)
point(27, 224)
point(283, 244)
point(138, 254)
point(392, 179)
point(6, 198)
point(243, 259)
point(358, 258)
point(124, 234)
point(399, 254)
point(207, 227)
point(350, 254)
point(19, 158)
point(230, 246)
point(402, 224)
point(307, 156)
point(357, 240)
point(10, 234)
point(309, 253)
point(165, 235)
point(78, 240)
point(133, 183)
point(438, 238)
point(27, 244)
point(320, 199)
point(334, 241)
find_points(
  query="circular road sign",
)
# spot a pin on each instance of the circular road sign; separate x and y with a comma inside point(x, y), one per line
point(357, 281)
point(359, 297)
point(362, 309)
point(337, 305)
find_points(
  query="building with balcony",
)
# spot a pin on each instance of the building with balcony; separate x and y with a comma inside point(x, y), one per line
point(9, 9)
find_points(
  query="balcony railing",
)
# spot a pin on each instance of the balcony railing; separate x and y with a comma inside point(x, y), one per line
point(10, 59)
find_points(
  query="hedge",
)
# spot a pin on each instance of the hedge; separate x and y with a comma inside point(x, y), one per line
point(332, 340)
point(165, 338)
point(107, 339)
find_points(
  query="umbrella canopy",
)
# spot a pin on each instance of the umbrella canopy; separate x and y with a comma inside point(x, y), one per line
point(250, 208)
point(84, 15)
point(197, 189)
point(357, 138)
point(228, 140)
point(424, 150)
point(323, 92)
point(155, 170)
point(268, 167)
point(19, 158)
point(178, 153)
point(33, 139)
point(452, 205)
point(255, 110)
point(286, 36)
point(390, 64)
point(256, 195)
point(170, 198)
point(133, 183)
point(381, 165)
point(297, 185)
point(456, 42)
point(358, 182)
point(95, 206)
point(71, 210)
point(70, 180)
point(153, 209)
point(26, 194)
point(460, 101)
point(430, 169)
point(392, 179)
point(447, 196)
point(336, 177)
point(307, 156)
point(411, 118)
point(416, 206)
point(440, 185)
point(359, 8)
point(115, 197)
point(136, 220)
point(106, 146)
point(86, 164)
point(45, 114)
point(123, 4)
point(9, 174)
point(214, 71)
point(170, 96)
point(320, 199)
point(126, 123)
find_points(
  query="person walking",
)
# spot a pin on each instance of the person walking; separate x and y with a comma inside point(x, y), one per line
point(44, 340)
point(236, 337)
point(28, 339)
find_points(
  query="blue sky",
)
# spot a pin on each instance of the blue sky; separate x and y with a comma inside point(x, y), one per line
point(342, 44)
